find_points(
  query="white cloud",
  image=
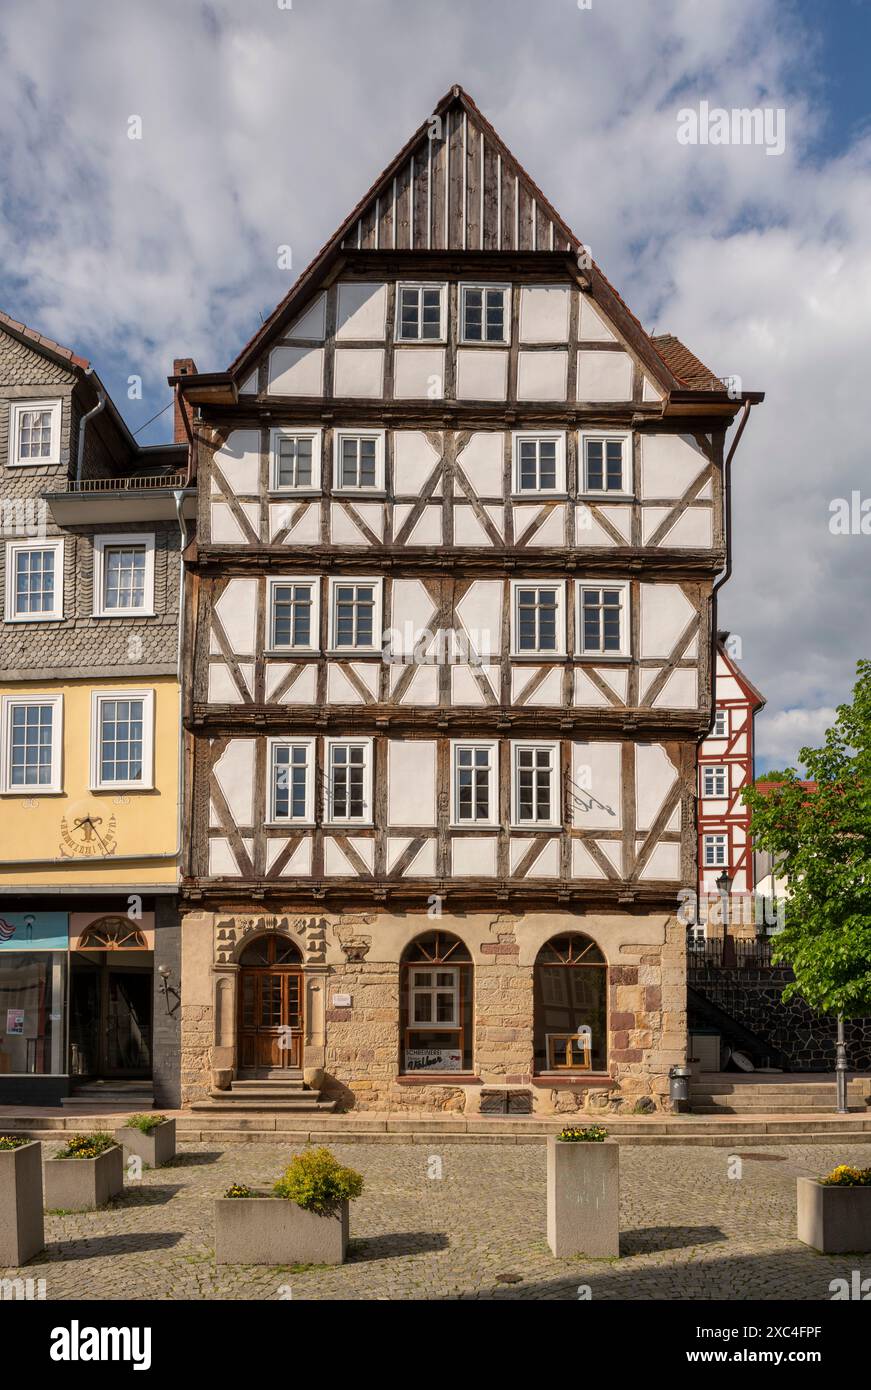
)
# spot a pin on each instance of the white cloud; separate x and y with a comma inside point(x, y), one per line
point(263, 126)
point(780, 735)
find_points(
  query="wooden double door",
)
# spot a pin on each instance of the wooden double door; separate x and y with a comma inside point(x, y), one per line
point(270, 1006)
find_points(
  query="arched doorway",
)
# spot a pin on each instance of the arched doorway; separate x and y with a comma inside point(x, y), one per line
point(270, 1005)
point(436, 1033)
point(571, 1006)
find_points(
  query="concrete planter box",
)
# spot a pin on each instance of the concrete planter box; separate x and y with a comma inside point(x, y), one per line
point(155, 1148)
point(834, 1220)
point(82, 1184)
point(22, 1233)
point(275, 1231)
point(583, 1191)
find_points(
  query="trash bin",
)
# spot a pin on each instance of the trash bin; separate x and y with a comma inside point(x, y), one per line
point(679, 1087)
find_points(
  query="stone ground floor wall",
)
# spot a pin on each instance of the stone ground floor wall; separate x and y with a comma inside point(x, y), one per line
point(166, 1011)
point(356, 1046)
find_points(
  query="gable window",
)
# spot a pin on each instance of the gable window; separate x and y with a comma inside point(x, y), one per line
point(123, 576)
point(721, 724)
point(293, 614)
point(534, 783)
point(420, 313)
point(349, 781)
point(34, 431)
point(296, 460)
point(355, 614)
point(605, 460)
point(714, 854)
point(539, 463)
point(30, 752)
point(34, 581)
point(359, 461)
point(537, 619)
point(714, 781)
point(603, 619)
point(292, 781)
point(122, 738)
point(485, 311)
point(475, 783)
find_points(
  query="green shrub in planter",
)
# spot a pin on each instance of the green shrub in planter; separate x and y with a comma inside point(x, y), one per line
point(87, 1145)
point(144, 1123)
point(592, 1134)
point(86, 1174)
point(318, 1182)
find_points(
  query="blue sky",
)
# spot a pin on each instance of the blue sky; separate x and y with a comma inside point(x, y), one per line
point(262, 126)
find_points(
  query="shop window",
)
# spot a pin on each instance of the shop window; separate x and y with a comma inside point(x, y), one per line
point(32, 1004)
point(436, 1006)
point(571, 1012)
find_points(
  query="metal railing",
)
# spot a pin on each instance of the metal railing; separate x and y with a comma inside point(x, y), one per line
point(141, 482)
point(735, 953)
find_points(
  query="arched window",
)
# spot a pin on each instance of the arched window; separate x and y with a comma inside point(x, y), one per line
point(436, 1005)
point(271, 950)
point(571, 1006)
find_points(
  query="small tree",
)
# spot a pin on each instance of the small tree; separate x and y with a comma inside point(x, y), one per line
point(820, 838)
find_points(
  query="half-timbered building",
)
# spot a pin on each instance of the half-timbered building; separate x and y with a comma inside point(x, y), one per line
point(459, 523)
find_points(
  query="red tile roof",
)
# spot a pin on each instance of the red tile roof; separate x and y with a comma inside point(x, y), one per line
point(39, 340)
point(692, 373)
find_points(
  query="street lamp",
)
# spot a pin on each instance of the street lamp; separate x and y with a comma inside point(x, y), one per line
point(841, 1068)
point(724, 887)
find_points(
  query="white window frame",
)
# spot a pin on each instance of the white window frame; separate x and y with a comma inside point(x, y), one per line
point(442, 288)
point(14, 548)
point(16, 410)
point(98, 699)
point(710, 839)
point(605, 437)
point(721, 716)
point(316, 436)
point(310, 581)
point(375, 489)
point(528, 653)
point(378, 585)
point(102, 543)
point(7, 704)
point(625, 618)
point(554, 822)
point(519, 437)
point(419, 968)
point(329, 745)
point(492, 819)
point(711, 770)
point(310, 745)
point(505, 289)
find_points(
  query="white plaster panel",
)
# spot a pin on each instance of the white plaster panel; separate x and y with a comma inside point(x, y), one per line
point(542, 376)
point(663, 864)
point(299, 863)
point(423, 688)
point(305, 531)
point(296, 371)
point(595, 795)
point(312, 322)
point(551, 532)
point(665, 612)
point(411, 782)
point(482, 374)
point(423, 865)
point(224, 526)
point(604, 376)
point(239, 461)
point(236, 609)
point(413, 610)
point(234, 773)
point(222, 861)
point(550, 692)
point(359, 372)
point(544, 314)
point(419, 373)
point(362, 311)
point(480, 613)
point(482, 462)
point(680, 691)
point(222, 689)
point(669, 463)
point(473, 856)
point(655, 775)
point(593, 327)
point(427, 530)
point(414, 459)
point(344, 529)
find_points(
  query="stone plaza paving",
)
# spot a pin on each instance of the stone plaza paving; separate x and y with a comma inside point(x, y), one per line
point(444, 1222)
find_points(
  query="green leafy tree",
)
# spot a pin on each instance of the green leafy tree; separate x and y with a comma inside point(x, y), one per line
point(820, 838)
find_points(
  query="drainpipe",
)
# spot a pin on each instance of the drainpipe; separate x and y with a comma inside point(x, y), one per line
point(178, 497)
point(101, 404)
point(726, 575)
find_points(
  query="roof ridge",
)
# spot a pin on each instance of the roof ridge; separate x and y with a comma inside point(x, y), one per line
point(40, 340)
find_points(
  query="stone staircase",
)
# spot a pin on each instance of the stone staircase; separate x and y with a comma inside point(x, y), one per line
point(101, 1097)
point(275, 1092)
point(793, 1093)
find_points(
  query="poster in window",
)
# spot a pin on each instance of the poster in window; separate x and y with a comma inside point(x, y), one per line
point(15, 1023)
point(433, 1059)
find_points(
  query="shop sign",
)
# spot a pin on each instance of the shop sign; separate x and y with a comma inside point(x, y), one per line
point(433, 1059)
point(33, 931)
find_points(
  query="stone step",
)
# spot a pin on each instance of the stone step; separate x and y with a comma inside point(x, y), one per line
point(809, 1108)
point(219, 1104)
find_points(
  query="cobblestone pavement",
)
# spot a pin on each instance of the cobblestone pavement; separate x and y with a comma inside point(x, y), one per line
point(688, 1231)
